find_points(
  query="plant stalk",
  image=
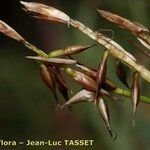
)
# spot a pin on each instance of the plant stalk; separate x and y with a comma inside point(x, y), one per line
point(115, 49)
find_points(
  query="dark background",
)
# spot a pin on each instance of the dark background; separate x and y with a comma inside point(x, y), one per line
point(27, 105)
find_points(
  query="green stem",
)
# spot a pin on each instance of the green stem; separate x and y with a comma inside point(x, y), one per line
point(118, 91)
point(56, 53)
point(36, 50)
point(128, 94)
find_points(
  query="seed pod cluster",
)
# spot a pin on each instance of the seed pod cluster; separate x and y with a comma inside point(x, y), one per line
point(106, 85)
point(96, 85)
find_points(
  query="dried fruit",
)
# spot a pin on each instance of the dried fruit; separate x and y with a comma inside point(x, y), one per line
point(70, 50)
point(135, 90)
point(82, 96)
point(75, 49)
point(47, 60)
point(45, 12)
point(101, 73)
point(10, 32)
point(61, 83)
point(104, 113)
point(49, 79)
point(84, 80)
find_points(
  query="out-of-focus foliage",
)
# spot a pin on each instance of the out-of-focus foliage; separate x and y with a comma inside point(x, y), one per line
point(26, 104)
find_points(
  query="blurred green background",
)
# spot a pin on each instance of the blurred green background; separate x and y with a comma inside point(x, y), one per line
point(27, 105)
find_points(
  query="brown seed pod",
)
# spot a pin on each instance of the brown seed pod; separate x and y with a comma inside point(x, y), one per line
point(58, 61)
point(80, 97)
point(70, 50)
point(101, 73)
point(61, 83)
point(45, 12)
point(121, 73)
point(10, 32)
point(139, 30)
point(104, 113)
point(84, 80)
point(49, 79)
point(135, 91)
point(75, 49)
point(122, 22)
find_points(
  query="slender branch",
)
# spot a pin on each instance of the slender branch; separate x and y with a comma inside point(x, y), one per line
point(35, 49)
point(128, 94)
point(118, 91)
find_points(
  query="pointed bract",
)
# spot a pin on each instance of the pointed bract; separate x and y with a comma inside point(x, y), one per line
point(10, 32)
point(61, 83)
point(75, 49)
point(60, 61)
point(70, 50)
point(135, 91)
point(49, 79)
point(104, 113)
point(82, 96)
point(122, 22)
point(45, 12)
point(101, 73)
point(84, 80)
